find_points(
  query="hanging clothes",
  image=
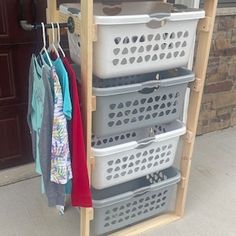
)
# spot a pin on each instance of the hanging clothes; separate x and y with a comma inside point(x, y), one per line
point(80, 195)
point(54, 191)
point(35, 109)
point(61, 171)
point(64, 82)
point(51, 88)
point(33, 131)
point(42, 101)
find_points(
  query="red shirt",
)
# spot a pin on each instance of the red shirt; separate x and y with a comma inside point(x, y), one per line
point(80, 194)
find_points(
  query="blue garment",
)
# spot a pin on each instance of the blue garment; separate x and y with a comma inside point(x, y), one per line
point(37, 103)
point(64, 81)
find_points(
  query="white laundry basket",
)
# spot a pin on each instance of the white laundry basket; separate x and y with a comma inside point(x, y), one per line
point(130, 155)
point(138, 37)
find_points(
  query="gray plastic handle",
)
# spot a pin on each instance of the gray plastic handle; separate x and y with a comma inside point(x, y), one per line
point(141, 192)
point(148, 90)
point(182, 76)
point(160, 16)
point(168, 82)
point(145, 143)
point(175, 80)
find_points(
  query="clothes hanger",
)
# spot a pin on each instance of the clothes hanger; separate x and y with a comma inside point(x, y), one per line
point(52, 46)
point(44, 50)
point(59, 40)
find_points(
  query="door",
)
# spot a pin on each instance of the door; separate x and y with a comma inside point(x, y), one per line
point(16, 47)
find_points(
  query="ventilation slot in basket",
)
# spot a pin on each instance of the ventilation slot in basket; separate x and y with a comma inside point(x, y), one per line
point(141, 49)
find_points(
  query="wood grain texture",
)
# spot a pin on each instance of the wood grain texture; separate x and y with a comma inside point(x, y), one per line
point(147, 225)
point(51, 13)
point(200, 67)
point(86, 79)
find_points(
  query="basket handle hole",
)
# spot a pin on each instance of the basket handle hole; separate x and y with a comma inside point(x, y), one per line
point(112, 11)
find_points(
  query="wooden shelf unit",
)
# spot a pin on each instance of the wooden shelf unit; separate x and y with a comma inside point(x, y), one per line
point(87, 30)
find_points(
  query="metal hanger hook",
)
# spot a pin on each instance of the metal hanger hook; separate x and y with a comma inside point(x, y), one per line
point(58, 33)
point(59, 39)
point(44, 37)
point(53, 33)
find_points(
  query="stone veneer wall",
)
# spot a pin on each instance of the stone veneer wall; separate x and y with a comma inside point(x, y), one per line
point(218, 110)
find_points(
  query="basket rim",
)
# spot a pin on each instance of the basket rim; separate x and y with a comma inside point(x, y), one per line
point(174, 179)
point(183, 15)
point(182, 76)
point(116, 149)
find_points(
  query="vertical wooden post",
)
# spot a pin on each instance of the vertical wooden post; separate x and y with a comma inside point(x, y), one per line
point(87, 31)
point(51, 15)
point(205, 36)
point(205, 30)
point(86, 79)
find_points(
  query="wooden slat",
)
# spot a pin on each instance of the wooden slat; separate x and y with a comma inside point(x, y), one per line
point(205, 24)
point(147, 225)
point(86, 215)
point(86, 69)
point(86, 33)
point(197, 85)
point(63, 18)
point(200, 68)
point(51, 14)
point(189, 137)
point(94, 103)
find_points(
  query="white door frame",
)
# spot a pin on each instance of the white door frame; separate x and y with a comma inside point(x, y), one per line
point(189, 3)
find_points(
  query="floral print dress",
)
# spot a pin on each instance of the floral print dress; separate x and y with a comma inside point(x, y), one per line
point(61, 171)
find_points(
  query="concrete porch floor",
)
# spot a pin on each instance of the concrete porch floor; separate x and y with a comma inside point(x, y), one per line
point(210, 209)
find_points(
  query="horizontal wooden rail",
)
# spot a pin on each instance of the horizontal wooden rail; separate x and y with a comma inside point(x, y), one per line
point(63, 18)
point(147, 225)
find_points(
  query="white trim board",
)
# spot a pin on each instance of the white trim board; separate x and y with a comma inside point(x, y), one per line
point(189, 3)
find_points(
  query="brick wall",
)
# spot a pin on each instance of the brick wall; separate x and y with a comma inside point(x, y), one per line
point(218, 110)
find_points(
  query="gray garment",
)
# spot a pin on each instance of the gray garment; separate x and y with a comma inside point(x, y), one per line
point(55, 192)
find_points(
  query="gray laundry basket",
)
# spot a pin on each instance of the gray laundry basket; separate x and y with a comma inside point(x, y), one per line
point(134, 201)
point(139, 101)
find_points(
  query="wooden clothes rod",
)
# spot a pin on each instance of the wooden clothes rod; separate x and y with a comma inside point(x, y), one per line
point(49, 26)
point(29, 27)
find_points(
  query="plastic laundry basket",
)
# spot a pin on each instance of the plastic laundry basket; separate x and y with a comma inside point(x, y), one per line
point(130, 155)
point(128, 203)
point(138, 37)
point(146, 101)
